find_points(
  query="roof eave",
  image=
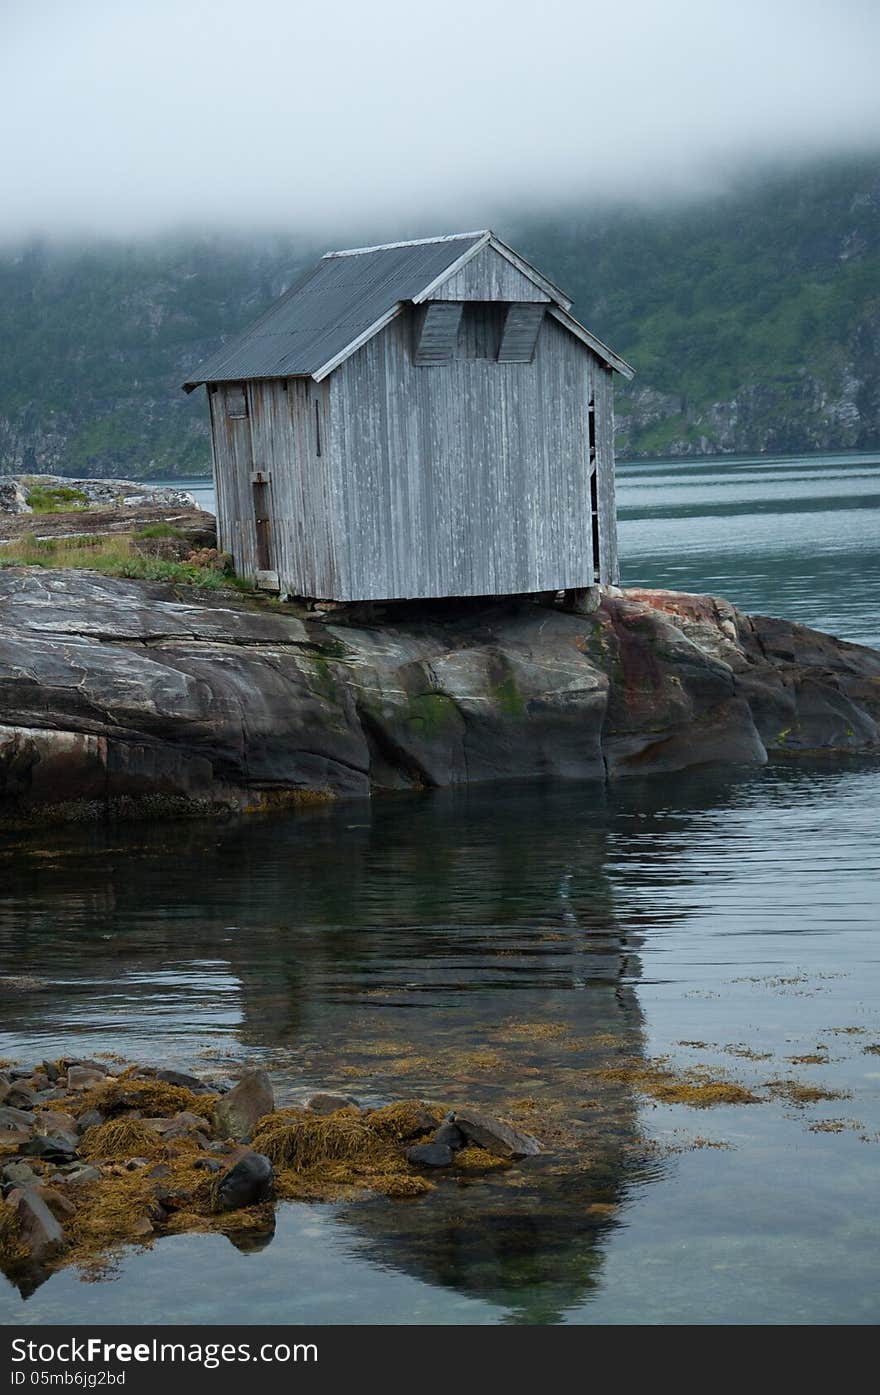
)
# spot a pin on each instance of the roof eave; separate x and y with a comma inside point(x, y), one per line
point(580, 331)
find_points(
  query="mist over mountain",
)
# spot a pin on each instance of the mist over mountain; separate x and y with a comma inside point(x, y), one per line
point(751, 314)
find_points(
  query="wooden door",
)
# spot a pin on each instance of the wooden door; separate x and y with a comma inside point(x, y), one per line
point(262, 498)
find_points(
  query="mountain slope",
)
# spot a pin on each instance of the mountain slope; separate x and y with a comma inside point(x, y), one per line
point(752, 317)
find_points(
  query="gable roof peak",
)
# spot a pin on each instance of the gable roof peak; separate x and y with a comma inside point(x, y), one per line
point(483, 234)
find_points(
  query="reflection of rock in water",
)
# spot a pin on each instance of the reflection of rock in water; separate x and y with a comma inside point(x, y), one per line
point(528, 1238)
point(459, 947)
point(501, 977)
point(251, 1239)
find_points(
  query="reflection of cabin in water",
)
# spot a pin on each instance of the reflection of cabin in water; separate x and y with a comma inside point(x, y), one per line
point(421, 419)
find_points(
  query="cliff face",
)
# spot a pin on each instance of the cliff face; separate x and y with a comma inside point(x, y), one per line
point(809, 414)
point(126, 697)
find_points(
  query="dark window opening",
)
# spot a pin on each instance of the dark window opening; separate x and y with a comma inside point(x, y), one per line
point(481, 328)
point(262, 525)
point(317, 428)
point(476, 329)
point(594, 489)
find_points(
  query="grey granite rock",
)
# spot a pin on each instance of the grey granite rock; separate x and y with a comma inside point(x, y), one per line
point(128, 696)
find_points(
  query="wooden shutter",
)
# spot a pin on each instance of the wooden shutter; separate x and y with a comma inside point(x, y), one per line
point(520, 333)
point(438, 335)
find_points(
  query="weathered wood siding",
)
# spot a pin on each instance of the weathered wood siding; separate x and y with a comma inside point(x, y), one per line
point(466, 478)
point(233, 466)
point(489, 276)
point(291, 440)
point(603, 395)
point(286, 428)
point(391, 479)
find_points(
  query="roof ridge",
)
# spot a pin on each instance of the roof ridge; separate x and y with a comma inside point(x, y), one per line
point(413, 242)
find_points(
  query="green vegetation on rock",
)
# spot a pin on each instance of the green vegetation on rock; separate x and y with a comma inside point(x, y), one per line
point(57, 499)
point(112, 556)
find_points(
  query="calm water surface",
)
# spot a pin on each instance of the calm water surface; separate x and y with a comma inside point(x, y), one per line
point(421, 944)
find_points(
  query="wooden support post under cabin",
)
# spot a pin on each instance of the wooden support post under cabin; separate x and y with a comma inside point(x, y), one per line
point(582, 600)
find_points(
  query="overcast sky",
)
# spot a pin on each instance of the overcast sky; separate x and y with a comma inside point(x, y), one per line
point(138, 115)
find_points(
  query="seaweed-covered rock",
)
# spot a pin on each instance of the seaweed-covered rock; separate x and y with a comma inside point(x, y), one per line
point(21, 1096)
point(81, 1175)
point(249, 1182)
point(11, 1117)
point(324, 1102)
point(494, 1135)
point(84, 1077)
point(39, 1232)
point(185, 1081)
point(18, 1173)
point(430, 1155)
point(237, 1113)
point(90, 1118)
point(58, 1123)
point(50, 1147)
point(449, 1135)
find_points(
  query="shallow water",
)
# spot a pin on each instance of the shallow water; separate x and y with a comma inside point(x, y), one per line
point(512, 945)
point(790, 537)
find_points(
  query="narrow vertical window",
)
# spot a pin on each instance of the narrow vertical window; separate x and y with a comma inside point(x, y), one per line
point(594, 490)
point(236, 402)
point(317, 428)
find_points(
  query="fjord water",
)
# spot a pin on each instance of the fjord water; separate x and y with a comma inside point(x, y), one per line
point(513, 943)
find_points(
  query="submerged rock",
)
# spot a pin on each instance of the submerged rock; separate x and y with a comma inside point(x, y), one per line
point(430, 1155)
point(186, 1082)
point(326, 1103)
point(494, 1135)
point(238, 1112)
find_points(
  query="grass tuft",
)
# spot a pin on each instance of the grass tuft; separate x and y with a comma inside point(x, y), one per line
point(60, 498)
point(113, 555)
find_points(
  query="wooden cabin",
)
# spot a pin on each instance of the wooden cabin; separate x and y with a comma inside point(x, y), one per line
point(420, 419)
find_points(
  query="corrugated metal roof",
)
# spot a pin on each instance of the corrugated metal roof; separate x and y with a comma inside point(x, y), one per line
point(335, 306)
point(329, 307)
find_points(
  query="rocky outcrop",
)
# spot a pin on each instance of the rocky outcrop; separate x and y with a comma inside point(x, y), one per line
point(238, 1112)
point(13, 498)
point(103, 493)
point(132, 697)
